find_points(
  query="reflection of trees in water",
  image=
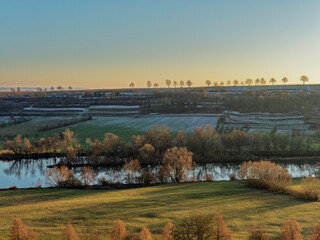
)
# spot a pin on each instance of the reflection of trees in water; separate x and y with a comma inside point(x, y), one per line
point(220, 171)
point(29, 167)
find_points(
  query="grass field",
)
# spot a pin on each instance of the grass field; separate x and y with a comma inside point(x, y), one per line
point(47, 210)
point(124, 127)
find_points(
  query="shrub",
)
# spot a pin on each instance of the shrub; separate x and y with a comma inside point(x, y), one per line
point(58, 176)
point(168, 231)
point(118, 231)
point(87, 176)
point(145, 234)
point(208, 177)
point(103, 181)
point(131, 169)
point(291, 230)
point(232, 176)
point(69, 233)
point(316, 232)
point(257, 232)
point(19, 231)
point(147, 177)
point(311, 188)
point(265, 174)
point(195, 227)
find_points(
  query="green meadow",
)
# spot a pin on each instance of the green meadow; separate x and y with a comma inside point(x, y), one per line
point(47, 211)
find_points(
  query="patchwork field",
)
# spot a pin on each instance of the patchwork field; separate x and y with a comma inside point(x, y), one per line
point(152, 207)
point(124, 127)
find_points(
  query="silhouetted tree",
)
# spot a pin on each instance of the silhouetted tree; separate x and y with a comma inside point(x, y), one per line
point(189, 83)
point(304, 79)
point(284, 80)
point(273, 81)
point(168, 82)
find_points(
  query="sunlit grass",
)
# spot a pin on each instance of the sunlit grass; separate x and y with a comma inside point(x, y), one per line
point(48, 210)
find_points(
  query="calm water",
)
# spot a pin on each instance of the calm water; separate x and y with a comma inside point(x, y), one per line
point(31, 173)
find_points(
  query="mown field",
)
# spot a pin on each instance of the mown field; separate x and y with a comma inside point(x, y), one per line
point(47, 210)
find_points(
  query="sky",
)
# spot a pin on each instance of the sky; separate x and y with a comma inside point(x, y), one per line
point(110, 43)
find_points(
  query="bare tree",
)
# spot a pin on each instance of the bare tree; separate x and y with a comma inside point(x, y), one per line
point(208, 82)
point(304, 79)
point(263, 81)
point(284, 80)
point(249, 81)
point(273, 81)
point(177, 162)
point(181, 83)
point(149, 84)
point(168, 82)
point(189, 83)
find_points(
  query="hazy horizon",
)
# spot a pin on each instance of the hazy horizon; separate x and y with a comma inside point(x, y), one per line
point(108, 44)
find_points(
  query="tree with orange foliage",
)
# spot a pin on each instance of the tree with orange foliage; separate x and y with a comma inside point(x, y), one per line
point(145, 234)
point(168, 231)
point(177, 162)
point(118, 231)
point(316, 232)
point(291, 230)
point(219, 228)
point(69, 233)
point(20, 232)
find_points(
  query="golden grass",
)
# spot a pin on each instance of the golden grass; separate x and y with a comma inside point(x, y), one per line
point(47, 211)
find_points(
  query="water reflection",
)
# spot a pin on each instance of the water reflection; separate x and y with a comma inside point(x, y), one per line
point(29, 173)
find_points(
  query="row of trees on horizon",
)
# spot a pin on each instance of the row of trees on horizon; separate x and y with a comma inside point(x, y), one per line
point(208, 83)
point(189, 83)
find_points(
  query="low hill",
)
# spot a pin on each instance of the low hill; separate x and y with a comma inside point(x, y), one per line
point(47, 211)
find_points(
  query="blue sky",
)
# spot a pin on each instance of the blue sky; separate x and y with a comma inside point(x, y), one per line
point(111, 43)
